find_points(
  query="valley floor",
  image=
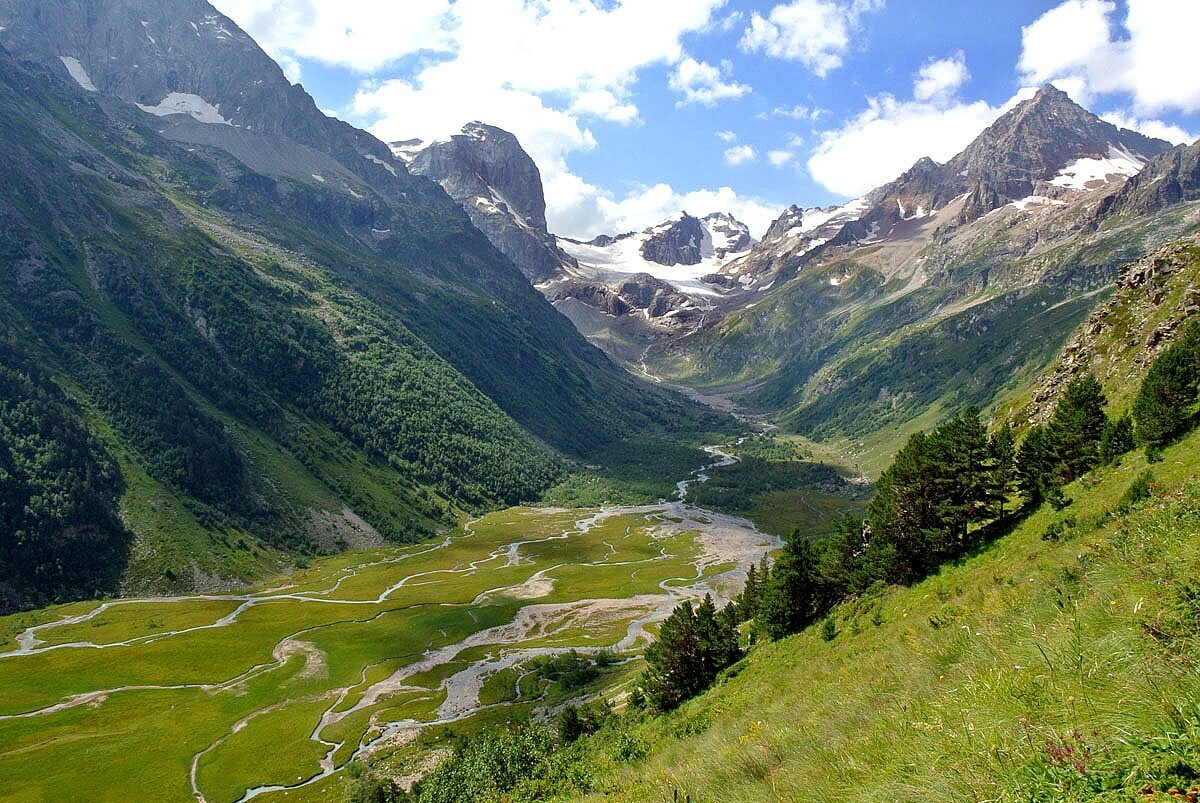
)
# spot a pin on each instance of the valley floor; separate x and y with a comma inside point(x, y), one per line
point(268, 694)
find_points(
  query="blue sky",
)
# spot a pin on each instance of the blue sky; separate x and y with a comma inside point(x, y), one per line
point(637, 108)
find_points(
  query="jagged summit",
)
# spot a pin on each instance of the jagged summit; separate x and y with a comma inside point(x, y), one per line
point(1042, 151)
point(490, 175)
point(1039, 140)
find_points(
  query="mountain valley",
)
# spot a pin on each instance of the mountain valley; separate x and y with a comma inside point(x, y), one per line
point(330, 471)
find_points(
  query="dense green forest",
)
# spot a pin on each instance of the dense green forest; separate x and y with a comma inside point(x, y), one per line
point(59, 488)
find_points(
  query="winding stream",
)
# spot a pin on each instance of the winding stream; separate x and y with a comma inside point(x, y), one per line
point(723, 541)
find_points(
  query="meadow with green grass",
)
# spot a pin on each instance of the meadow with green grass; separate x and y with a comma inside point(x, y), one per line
point(269, 693)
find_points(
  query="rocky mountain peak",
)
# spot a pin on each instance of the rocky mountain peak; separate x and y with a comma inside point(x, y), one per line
point(791, 217)
point(678, 241)
point(1045, 140)
point(687, 240)
point(1037, 141)
point(728, 234)
point(490, 175)
point(492, 161)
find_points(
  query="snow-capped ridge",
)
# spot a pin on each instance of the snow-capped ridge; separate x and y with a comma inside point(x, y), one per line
point(681, 250)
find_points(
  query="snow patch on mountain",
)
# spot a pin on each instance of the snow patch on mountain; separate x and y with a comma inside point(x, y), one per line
point(1083, 174)
point(370, 157)
point(1035, 201)
point(617, 258)
point(77, 71)
point(194, 106)
point(407, 149)
point(813, 219)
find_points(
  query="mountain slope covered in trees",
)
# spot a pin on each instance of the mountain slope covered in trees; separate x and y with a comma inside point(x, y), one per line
point(248, 367)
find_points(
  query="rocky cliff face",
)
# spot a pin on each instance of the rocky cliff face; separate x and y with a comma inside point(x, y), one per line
point(1154, 297)
point(638, 294)
point(184, 58)
point(679, 241)
point(487, 172)
point(1168, 179)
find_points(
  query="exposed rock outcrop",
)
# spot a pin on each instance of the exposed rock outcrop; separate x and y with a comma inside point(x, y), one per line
point(489, 174)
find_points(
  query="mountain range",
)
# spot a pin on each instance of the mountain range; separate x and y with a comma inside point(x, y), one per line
point(955, 283)
point(268, 338)
point(264, 326)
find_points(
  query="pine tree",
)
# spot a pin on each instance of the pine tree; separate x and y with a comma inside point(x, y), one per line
point(671, 661)
point(1163, 405)
point(796, 595)
point(748, 601)
point(710, 647)
point(694, 645)
point(1036, 465)
point(1076, 427)
point(1116, 439)
point(1002, 480)
point(960, 465)
point(902, 515)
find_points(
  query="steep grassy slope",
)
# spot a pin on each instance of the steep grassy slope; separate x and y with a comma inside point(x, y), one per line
point(1039, 669)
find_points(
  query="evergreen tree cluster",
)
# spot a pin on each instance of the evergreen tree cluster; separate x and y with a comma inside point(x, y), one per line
point(932, 506)
point(1165, 406)
point(693, 646)
point(1077, 438)
point(60, 529)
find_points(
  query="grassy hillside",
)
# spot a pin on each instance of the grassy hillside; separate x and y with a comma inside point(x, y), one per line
point(1058, 663)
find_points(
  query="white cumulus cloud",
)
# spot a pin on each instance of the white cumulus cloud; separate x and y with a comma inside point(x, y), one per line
point(1152, 128)
point(363, 35)
point(816, 33)
point(596, 211)
point(701, 82)
point(939, 79)
point(1084, 48)
point(780, 158)
point(740, 154)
